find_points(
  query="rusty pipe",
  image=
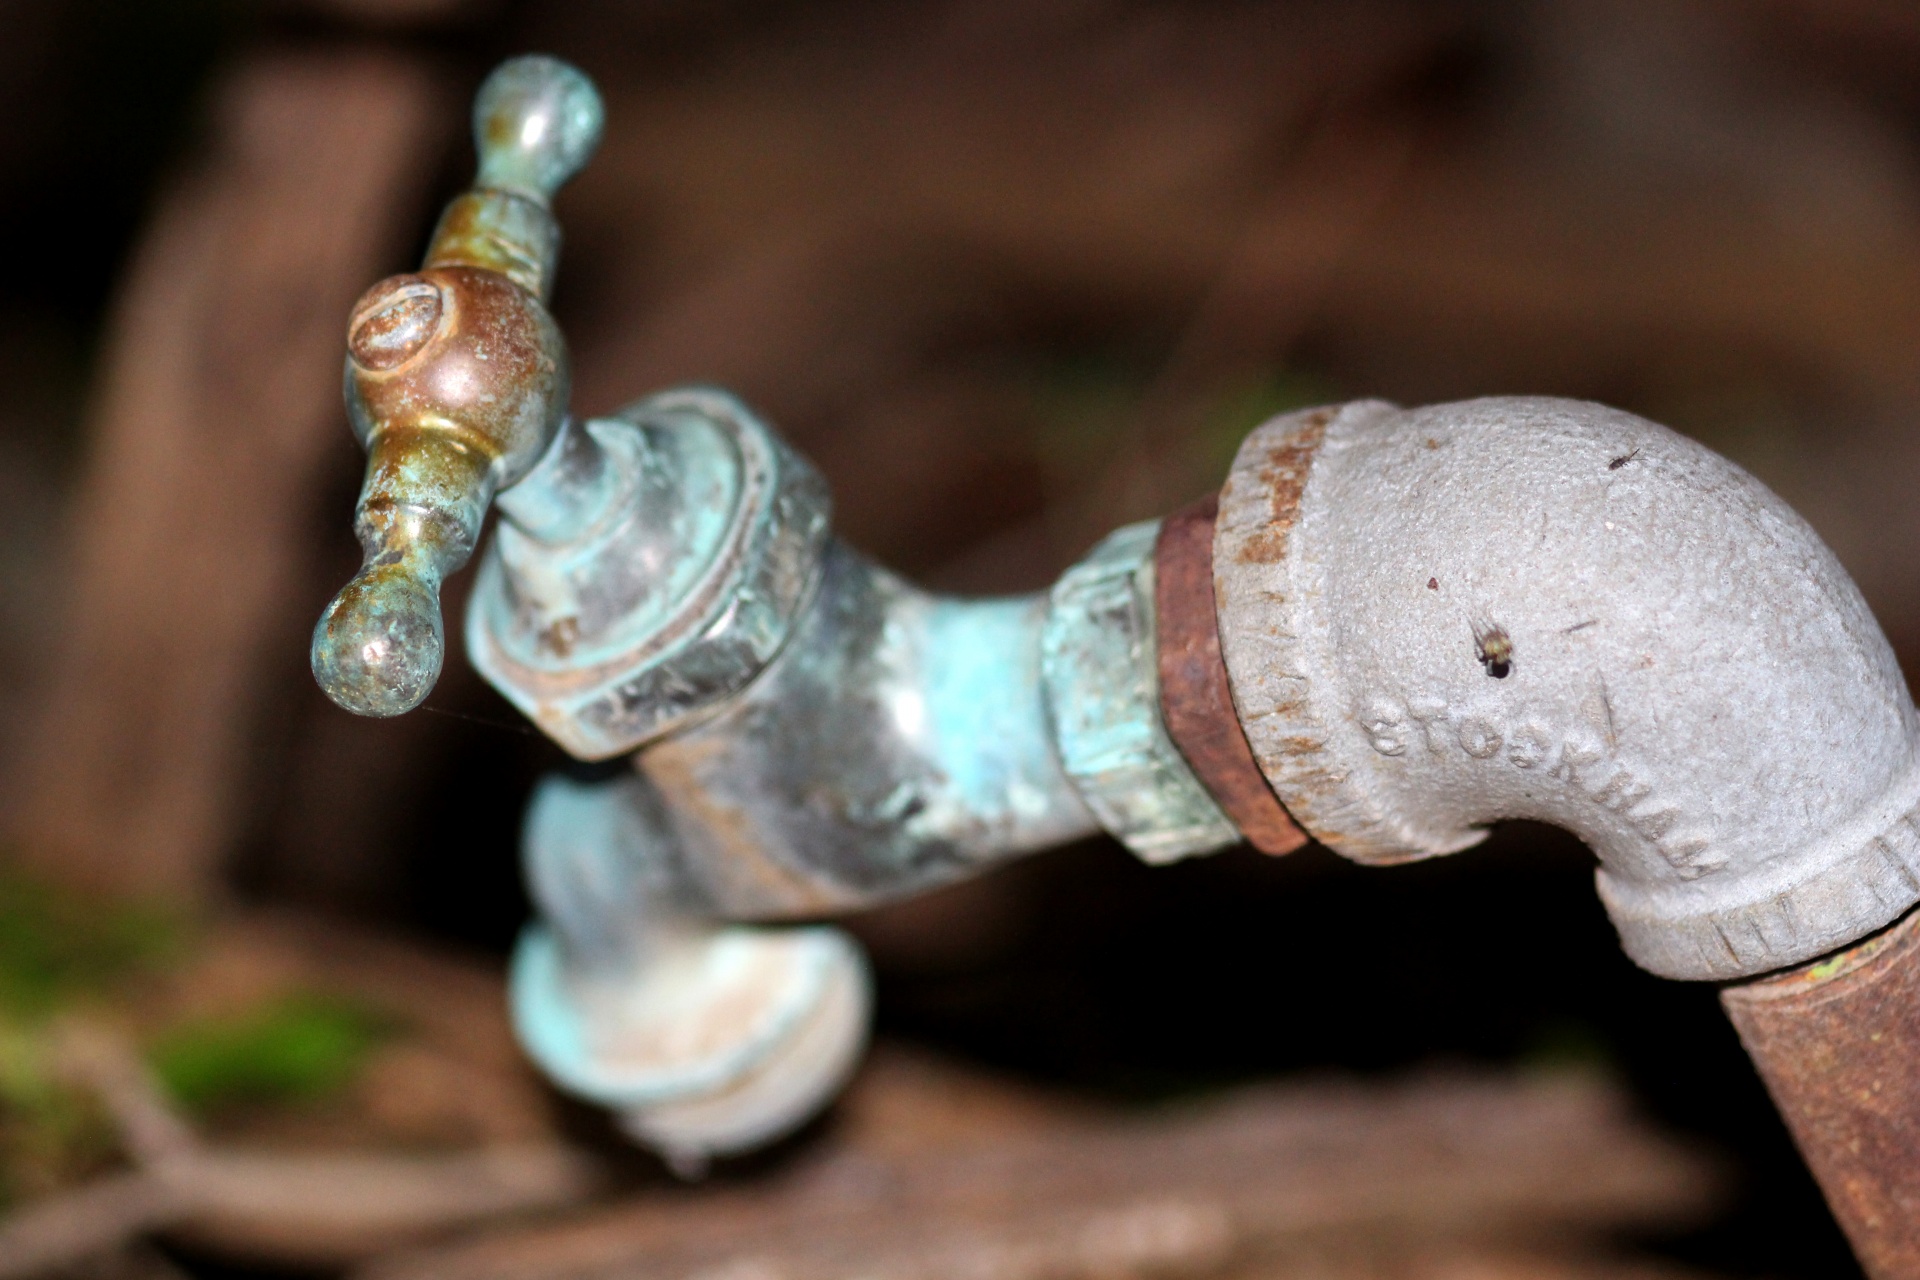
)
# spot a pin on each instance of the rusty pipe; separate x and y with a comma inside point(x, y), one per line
point(1361, 563)
point(1836, 1042)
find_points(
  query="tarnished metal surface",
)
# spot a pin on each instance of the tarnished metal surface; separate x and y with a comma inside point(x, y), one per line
point(535, 123)
point(1100, 669)
point(819, 736)
point(500, 233)
point(1680, 672)
point(1838, 1043)
point(705, 1037)
point(458, 357)
point(718, 1040)
point(647, 571)
point(1195, 701)
point(898, 742)
point(456, 383)
point(648, 568)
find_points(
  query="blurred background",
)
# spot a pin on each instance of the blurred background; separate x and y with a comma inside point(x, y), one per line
point(1012, 273)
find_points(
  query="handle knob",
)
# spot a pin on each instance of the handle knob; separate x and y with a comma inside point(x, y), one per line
point(456, 383)
point(536, 122)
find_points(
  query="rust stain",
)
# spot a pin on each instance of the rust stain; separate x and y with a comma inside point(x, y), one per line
point(502, 131)
point(1285, 477)
point(1263, 548)
point(479, 228)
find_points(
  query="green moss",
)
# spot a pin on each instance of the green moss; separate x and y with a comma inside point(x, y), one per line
point(59, 947)
point(57, 944)
point(51, 1132)
point(297, 1049)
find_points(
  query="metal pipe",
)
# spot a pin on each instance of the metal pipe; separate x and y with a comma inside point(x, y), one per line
point(1196, 701)
point(1433, 619)
point(1836, 1042)
point(824, 735)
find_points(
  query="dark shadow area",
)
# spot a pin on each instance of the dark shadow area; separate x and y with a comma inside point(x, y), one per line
point(1144, 982)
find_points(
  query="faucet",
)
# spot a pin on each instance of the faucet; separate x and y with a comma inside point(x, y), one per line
point(1389, 628)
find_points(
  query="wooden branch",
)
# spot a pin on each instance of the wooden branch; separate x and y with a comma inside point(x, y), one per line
point(151, 1130)
point(70, 1227)
point(295, 1207)
point(319, 1209)
point(1180, 1192)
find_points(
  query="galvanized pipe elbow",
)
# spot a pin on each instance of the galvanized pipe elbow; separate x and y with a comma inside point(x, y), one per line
point(1436, 618)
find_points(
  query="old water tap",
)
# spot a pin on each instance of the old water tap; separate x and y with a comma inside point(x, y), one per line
point(1392, 628)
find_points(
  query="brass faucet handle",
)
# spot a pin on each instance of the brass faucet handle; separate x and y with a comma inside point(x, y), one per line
point(456, 383)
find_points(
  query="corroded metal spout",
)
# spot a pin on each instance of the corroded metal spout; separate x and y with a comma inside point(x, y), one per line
point(456, 384)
